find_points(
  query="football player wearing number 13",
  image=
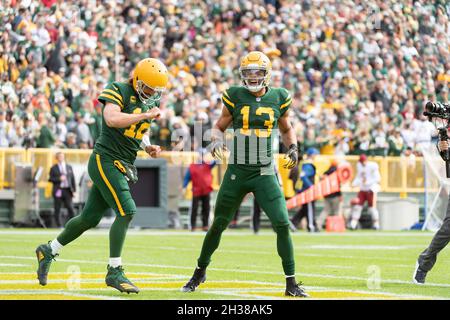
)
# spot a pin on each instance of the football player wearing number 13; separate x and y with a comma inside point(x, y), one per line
point(128, 110)
point(254, 109)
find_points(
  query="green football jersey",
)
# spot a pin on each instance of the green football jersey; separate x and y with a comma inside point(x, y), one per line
point(122, 143)
point(255, 123)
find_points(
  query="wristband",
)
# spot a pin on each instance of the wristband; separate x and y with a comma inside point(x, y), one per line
point(145, 142)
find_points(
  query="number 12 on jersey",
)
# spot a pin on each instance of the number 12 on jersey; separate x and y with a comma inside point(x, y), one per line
point(131, 131)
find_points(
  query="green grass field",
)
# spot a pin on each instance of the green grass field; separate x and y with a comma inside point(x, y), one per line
point(352, 265)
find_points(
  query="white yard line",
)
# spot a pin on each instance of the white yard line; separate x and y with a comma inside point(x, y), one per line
point(243, 295)
point(298, 250)
point(57, 292)
point(375, 292)
point(338, 267)
point(133, 232)
point(360, 247)
point(313, 275)
point(223, 291)
point(14, 265)
point(88, 273)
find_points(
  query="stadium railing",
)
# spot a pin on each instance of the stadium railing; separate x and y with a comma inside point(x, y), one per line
point(398, 174)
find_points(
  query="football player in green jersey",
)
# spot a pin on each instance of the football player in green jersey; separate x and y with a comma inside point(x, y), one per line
point(255, 110)
point(129, 107)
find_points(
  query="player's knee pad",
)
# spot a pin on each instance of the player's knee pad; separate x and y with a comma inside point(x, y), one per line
point(281, 228)
point(356, 212)
point(219, 225)
point(374, 214)
point(128, 217)
point(124, 220)
point(89, 222)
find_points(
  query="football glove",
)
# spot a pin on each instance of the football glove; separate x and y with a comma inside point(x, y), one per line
point(218, 150)
point(131, 173)
point(291, 156)
point(128, 170)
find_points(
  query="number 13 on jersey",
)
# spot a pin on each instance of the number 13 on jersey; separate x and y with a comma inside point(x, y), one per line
point(264, 133)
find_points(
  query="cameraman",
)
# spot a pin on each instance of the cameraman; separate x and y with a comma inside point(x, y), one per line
point(427, 258)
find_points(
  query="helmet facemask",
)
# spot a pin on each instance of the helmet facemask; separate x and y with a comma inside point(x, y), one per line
point(148, 99)
point(254, 78)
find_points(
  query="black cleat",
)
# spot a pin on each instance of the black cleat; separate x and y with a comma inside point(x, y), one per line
point(294, 289)
point(45, 257)
point(198, 277)
point(419, 275)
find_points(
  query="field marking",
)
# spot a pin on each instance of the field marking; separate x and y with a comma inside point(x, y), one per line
point(4, 276)
point(235, 290)
point(361, 247)
point(242, 292)
point(224, 245)
point(297, 248)
point(302, 274)
point(337, 267)
point(57, 293)
point(245, 295)
point(264, 294)
point(301, 247)
point(134, 232)
point(95, 284)
point(14, 265)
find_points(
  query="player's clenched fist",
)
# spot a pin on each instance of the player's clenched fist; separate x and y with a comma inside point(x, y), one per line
point(291, 156)
point(153, 150)
point(153, 113)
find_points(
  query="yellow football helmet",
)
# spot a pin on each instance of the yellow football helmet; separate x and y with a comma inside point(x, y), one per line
point(150, 79)
point(255, 71)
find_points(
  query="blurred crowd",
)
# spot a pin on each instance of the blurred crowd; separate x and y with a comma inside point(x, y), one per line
point(360, 72)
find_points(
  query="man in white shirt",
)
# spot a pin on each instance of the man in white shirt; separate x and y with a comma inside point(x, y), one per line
point(408, 135)
point(4, 142)
point(367, 179)
point(61, 128)
point(424, 131)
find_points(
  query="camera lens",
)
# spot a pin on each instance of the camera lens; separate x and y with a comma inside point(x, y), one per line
point(437, 107)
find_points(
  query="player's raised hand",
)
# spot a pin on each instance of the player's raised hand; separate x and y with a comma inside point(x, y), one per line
point(153, 113)
point(291, 157)
point(218, 150)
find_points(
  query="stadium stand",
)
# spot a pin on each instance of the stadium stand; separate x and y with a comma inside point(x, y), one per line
point(359, 71)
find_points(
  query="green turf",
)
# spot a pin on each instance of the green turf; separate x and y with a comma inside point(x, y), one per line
point(353, 265)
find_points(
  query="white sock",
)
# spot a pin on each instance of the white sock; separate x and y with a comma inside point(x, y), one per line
point(56, 246)
point(290, 277)
point(115, 262)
